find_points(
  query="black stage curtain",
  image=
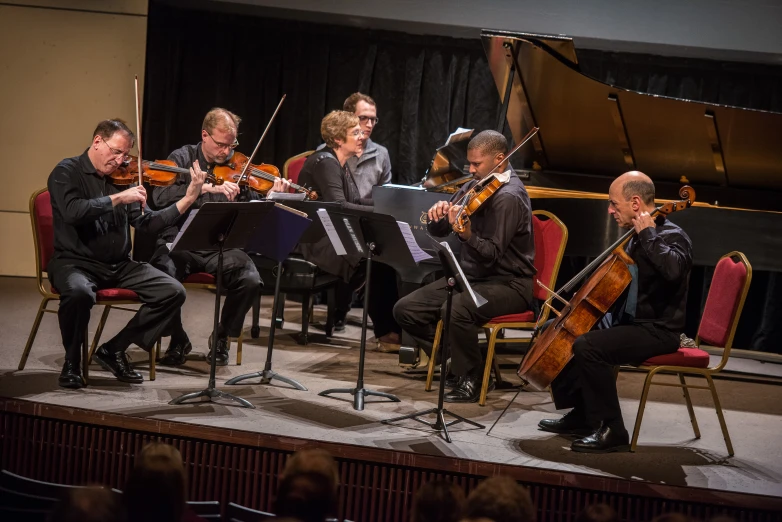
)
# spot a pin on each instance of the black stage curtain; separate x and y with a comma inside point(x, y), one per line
point(425, 87)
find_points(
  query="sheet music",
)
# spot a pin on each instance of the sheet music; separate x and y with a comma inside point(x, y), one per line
point(478, 299)
point(182, 230)
point(353, 236)
point(418, 253)
point(328, 226)
point(406, 187)
point(459, 135)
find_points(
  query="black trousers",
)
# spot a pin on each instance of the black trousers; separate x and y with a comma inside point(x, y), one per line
point(79, 280)
point(587, 381)
point(241, 283)
point(417, 313)
point(383, 294)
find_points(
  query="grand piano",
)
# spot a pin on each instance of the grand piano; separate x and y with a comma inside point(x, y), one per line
point(590, 132)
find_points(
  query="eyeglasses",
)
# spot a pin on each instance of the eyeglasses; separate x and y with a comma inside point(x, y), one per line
point(357, 133)
point(364, 119)
point(224, 145)
point(117, 152)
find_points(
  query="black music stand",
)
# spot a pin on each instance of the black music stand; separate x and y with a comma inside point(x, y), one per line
point(282, 232)
point(454, 279)
point(217, 226)
point(373, 237)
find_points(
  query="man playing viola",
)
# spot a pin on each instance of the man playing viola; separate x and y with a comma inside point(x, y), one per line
point(240, 276)
point(496, 255)
point(92, 220)
point(646, 323)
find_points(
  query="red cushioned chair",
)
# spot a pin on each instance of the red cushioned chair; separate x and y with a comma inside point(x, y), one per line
point(729, 288)
point(292, 167)
point(550, 240)
point(43, 237)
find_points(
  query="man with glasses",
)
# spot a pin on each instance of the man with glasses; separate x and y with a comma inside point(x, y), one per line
point(240, 276)
point(92, 220)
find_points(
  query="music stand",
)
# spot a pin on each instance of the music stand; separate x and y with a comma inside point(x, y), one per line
point(375, 237)
point(455, 279)
point(217, 226)
point(282, 232)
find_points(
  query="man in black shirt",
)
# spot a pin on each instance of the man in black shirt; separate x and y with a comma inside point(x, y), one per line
point(496, 256)
point(241, 280)
point(92, 219)
point(663, 256)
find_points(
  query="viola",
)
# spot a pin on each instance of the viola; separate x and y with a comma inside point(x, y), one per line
point(608, 276)
point(260, 178)
point(159, 173)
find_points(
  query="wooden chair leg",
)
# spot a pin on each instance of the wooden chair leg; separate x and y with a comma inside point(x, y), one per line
point(433, 358)
point(720, 415)
point(239, 349)
point(641, 407)
point(152, 356)
point(33, 332)
point(690, 409)
point(99, 331)
point(487, 367)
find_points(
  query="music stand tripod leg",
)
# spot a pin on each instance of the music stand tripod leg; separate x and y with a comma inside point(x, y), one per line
point(359, 392)
point(439, 423)
point(267, 375)
point(210, 392)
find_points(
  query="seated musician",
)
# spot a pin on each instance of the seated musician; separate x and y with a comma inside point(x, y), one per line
point(663, 255)
point(240, 277)
point(496, 256)
point(326, 172)
point(92, 220)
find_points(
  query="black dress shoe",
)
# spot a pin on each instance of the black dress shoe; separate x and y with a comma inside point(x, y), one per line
point(70, 377)
point(604, 440)
point(339, 325)
point(222, 351)
point(118, 364)
point(176, 355)
point(467, 389)
point(572, 423)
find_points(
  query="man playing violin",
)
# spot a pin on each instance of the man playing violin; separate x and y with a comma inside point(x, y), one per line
point(240, 276)
point(496, 255)
point(92, 220)
point(644, 324)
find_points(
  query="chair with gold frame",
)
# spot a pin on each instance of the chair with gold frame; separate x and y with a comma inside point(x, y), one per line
point(724, 303)
point(550, 239)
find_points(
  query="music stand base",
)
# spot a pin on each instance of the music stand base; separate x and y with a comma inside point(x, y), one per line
point(359, 394)
point(266, 377)
point(439, 424)
point(212, 394)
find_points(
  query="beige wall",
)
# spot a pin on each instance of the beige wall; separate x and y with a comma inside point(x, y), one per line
point(63, 69)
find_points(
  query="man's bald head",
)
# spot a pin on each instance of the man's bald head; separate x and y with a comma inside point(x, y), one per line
point(636, 183)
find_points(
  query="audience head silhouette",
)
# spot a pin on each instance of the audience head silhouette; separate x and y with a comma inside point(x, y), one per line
point(155, 490)
point(500, 499)
point(598, 513)
point(438, 501)
point(92, 504)
point(308, 487)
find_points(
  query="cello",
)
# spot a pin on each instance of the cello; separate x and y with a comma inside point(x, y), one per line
point(607, 277)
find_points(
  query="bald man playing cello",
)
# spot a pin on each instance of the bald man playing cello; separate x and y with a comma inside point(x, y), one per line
point(645, 324)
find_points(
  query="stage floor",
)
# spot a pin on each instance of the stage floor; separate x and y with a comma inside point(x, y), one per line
point(667, 454)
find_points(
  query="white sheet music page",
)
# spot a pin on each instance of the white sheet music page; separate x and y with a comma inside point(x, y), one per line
point(417, 252)
point(328, 226)
point(182, 230)
point(477, 298)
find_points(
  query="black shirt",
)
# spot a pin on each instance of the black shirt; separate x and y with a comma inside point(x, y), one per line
point(332, 181)
point(664, 258)
point(502, 245)
point(86, 224)
point(165, 196)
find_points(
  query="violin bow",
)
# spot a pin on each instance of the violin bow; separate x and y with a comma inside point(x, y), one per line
point(138, 142)
point(257, 146)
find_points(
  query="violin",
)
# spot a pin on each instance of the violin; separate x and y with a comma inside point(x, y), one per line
point(158, 173)
point(260, 178)
point(478, 195)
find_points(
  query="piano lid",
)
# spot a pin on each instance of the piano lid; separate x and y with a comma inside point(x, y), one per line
point(591, 128)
